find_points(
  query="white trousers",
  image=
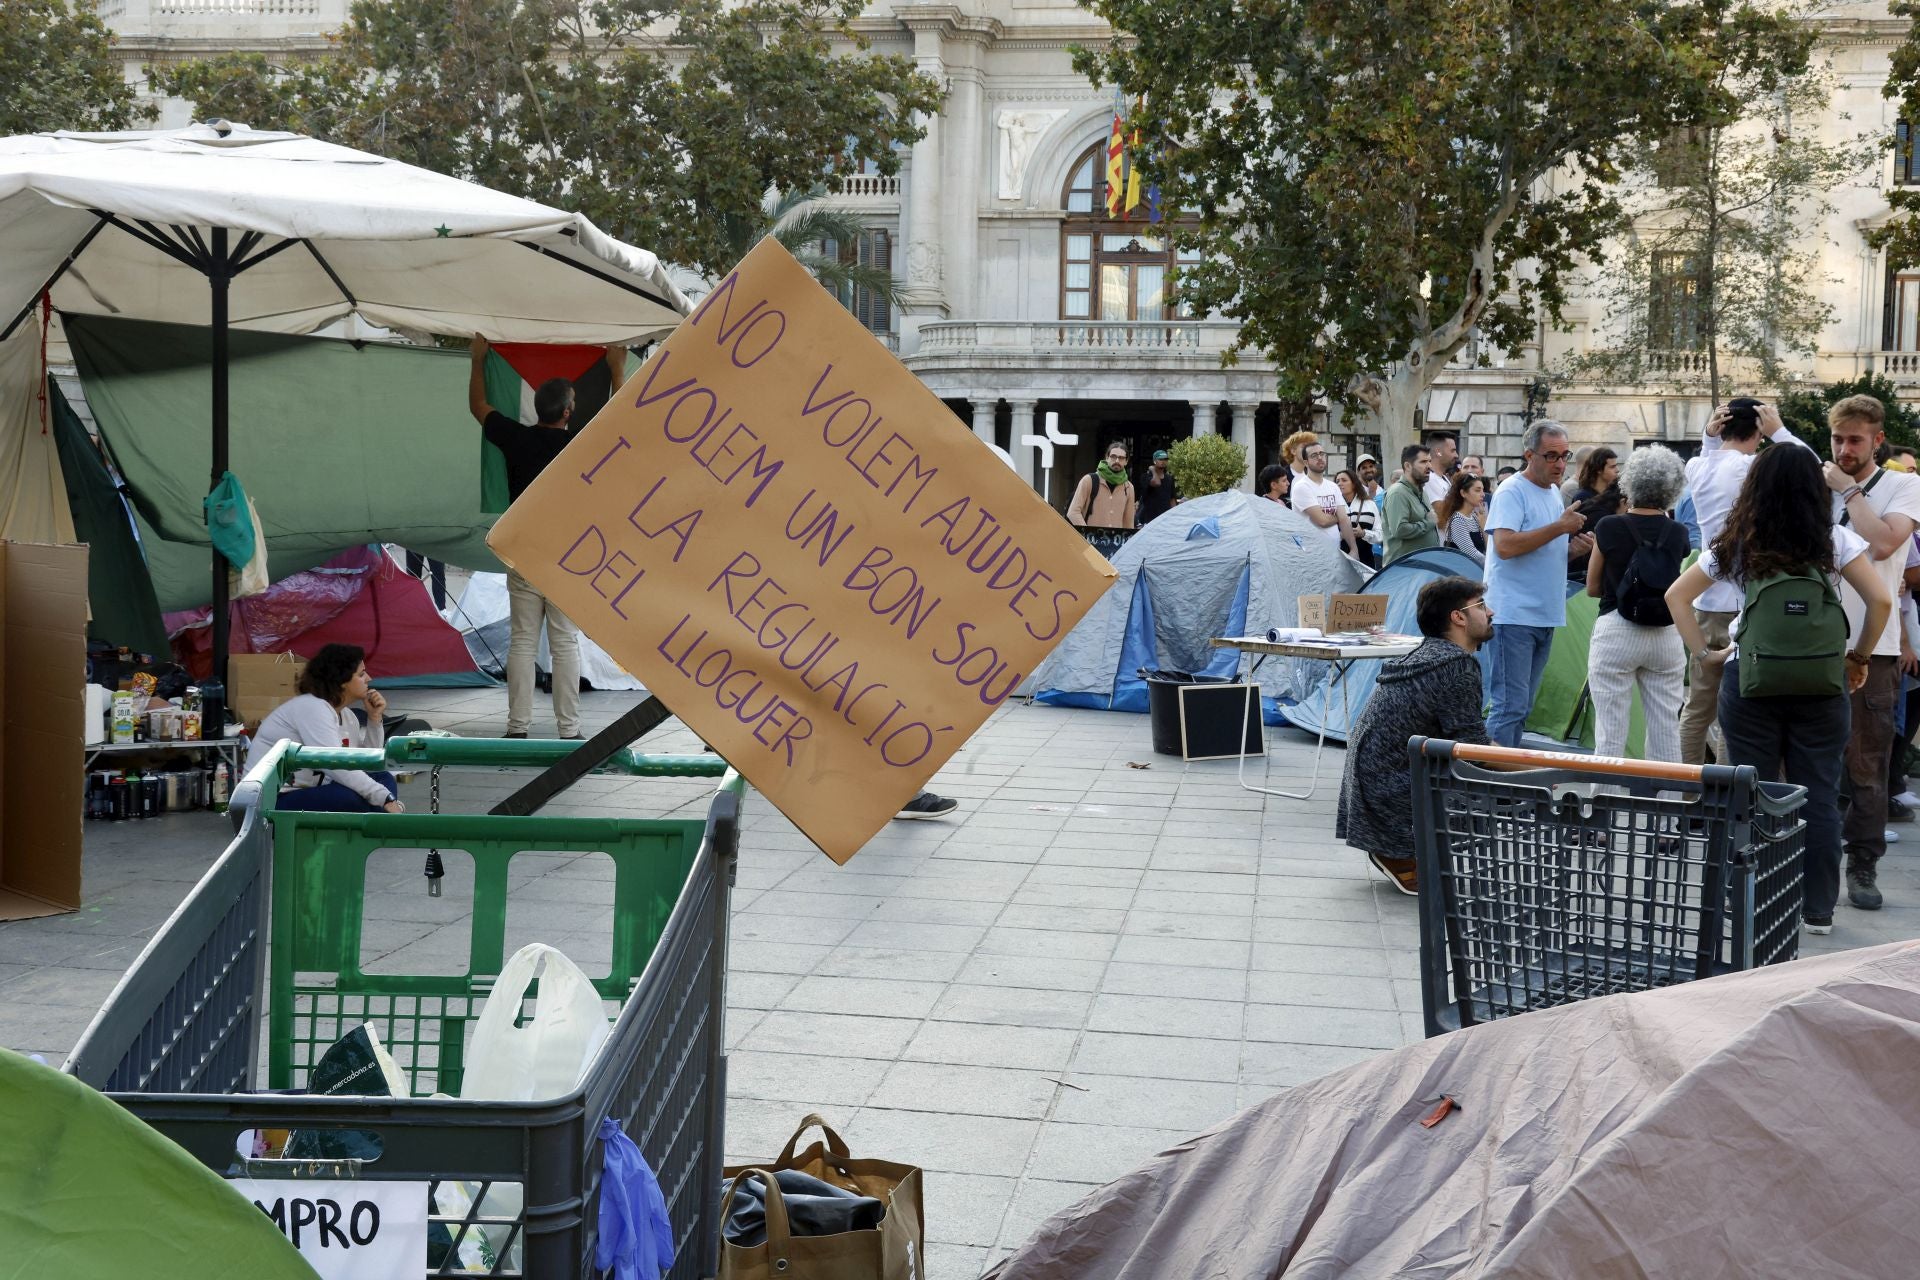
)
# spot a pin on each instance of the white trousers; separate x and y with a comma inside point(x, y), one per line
point(526, 610)
point(1622, 655)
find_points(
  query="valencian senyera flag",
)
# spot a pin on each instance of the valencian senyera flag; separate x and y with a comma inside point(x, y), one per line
point(1124, 185)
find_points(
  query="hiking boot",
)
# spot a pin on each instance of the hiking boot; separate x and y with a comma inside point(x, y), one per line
point(1818, 924)
point(1862, 892)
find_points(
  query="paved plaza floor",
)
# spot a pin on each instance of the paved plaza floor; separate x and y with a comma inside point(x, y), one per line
point(1088, 961)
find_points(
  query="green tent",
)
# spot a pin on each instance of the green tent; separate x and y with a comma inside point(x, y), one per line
point(1563, 710)
point(88, 1190)
point(338, 443)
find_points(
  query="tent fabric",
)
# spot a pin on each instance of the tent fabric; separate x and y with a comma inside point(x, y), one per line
point(339, 443)
point(119, 588)
point(1225, 564)
point(397, 245)
point(33, 498)
point(481, 614)
point(1563, 709)
point(1665, 1133)
point(360, 597)
point(86, 1189)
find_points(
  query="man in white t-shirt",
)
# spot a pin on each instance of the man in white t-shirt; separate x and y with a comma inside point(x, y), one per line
point(1883, 507)
point(1317, 497)
point(1443, 451)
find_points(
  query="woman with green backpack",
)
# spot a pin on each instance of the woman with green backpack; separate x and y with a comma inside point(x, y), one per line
point(1783, 696)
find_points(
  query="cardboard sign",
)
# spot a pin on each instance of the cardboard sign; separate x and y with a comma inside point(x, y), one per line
point(259, 682)
point(1338, 614)
point(348, 1229)
point(802, 552)
point(43, 660)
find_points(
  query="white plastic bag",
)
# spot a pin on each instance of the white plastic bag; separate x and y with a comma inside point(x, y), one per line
point(549, 1055)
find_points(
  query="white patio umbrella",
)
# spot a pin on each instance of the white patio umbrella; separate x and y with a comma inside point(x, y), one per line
point(230, 227)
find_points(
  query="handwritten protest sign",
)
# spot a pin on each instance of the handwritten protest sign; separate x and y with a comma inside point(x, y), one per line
point(802, 552)
point(1342, 613)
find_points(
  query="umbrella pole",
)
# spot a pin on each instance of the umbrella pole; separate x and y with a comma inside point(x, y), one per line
point(219, 277)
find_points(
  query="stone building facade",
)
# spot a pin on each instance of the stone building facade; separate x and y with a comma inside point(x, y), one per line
point(1023, 304)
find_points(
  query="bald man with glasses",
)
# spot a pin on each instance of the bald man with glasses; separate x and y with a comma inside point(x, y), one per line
point(1531, 534)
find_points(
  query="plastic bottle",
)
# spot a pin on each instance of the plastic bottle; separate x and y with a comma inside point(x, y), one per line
point(222, 784)
point(136, 795)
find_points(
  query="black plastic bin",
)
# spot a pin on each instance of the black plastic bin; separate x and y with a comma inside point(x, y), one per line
point(262, 960)
point(1547, 878)
point(1225, 717)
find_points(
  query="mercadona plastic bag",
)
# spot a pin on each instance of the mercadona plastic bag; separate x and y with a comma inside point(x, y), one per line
point(548, 1055)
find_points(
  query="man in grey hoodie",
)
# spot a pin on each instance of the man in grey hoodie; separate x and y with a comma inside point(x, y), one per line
point(1435, 692)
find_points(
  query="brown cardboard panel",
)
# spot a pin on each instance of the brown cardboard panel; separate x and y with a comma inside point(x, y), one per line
point(1341, 613)
point(259, 682)
point(802, 552)
point(42, 786)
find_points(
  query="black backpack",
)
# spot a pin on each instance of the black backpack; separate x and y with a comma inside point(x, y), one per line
point(1642, 596)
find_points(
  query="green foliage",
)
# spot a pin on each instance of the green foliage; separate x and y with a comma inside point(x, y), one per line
point(61, 72)
point(1206, 464)
point(1805, 412)
point(1900, 238)
point(815, 234)
point(1370, 181)
point(1730, 202)
point(665, 123)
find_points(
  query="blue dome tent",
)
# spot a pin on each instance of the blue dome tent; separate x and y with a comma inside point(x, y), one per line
point(1223, 565)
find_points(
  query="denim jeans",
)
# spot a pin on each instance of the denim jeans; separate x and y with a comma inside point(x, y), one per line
point(1516, 661)
point(1804, 741)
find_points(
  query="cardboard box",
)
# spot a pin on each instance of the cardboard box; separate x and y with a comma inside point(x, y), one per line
point(259, 682)
point(1338, 614)
point(43, 671)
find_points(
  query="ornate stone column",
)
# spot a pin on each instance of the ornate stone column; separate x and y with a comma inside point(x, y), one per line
point(1243, 436)
point(923, 293)
point(1026, 463)
point(1205, 418)
point(984, 407)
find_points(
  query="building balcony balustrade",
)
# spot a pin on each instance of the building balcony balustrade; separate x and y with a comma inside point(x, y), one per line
point(959, 337)
point(867, 186)
point(202, 19)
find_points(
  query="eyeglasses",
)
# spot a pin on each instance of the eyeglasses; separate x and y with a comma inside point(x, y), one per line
point(1556, 457)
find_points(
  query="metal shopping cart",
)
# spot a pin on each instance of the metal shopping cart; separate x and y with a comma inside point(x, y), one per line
point(265, 957)
point(1547, 878)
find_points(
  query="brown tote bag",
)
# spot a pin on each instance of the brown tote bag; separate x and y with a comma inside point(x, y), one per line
point(896, 1250)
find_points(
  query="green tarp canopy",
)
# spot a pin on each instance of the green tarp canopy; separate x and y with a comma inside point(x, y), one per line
point(86, 1189)
point(119, 587)
point(338, 443)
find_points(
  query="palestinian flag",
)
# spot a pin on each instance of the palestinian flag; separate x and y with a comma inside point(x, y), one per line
point(513, 371)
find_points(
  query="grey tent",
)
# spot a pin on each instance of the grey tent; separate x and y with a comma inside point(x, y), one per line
point(1226, 564)
point(1758, 1124)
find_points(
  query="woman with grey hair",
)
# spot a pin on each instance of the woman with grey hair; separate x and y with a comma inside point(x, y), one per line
point(1636, 557)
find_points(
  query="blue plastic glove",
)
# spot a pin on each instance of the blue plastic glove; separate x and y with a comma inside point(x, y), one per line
point(634, 1230)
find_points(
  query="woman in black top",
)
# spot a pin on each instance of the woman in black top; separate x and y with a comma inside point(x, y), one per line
point(1646, 652)
point(1597, 496)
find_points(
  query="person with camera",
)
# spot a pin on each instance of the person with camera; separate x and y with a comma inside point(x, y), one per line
point(1728, 443)
point(1883, 507)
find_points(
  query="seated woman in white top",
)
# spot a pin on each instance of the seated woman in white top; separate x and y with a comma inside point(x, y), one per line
point(319, 717)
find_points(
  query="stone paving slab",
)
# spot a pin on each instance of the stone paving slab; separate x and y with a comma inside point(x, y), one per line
point(1088, 962)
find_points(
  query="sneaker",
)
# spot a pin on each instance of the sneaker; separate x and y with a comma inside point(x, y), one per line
point(513, 734)
point(1862, 892)
point(1908, 799)
point(1893, 837)
point(1818, 924)
point(927, 805)
point(1898, 810)
point(1399, 870)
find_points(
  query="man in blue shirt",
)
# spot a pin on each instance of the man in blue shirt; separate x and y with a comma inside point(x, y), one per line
point(1531, 534)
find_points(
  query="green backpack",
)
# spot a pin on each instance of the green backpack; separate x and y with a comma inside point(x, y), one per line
point(1793, 637)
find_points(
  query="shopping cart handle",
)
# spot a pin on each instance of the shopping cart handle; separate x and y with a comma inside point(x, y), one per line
point(1519, 758)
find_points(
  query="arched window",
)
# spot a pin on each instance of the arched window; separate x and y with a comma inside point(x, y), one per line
point(1114, 268)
